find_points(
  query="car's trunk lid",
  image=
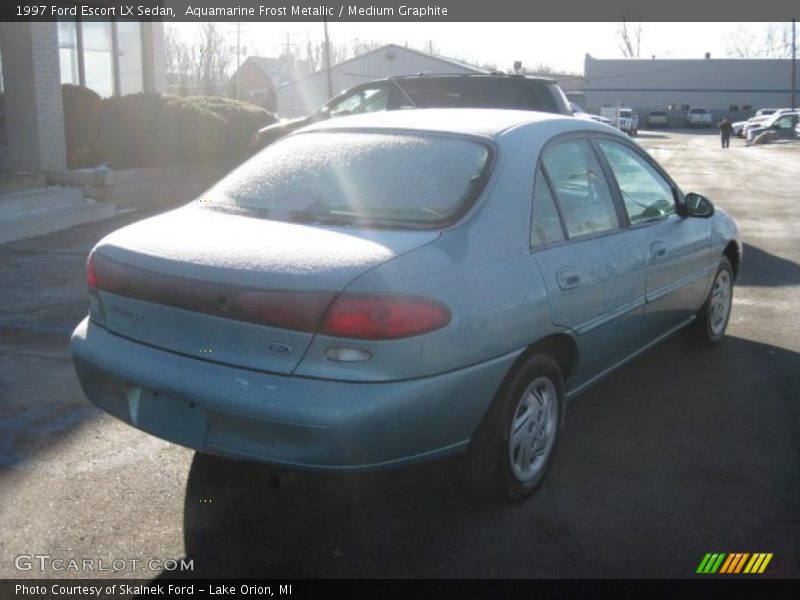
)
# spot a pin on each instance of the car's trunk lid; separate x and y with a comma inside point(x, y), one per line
point(230, 288)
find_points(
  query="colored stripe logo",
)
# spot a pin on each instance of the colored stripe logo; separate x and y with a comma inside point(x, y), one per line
point(734, 563)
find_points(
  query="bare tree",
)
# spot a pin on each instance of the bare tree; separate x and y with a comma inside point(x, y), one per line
point(315, 53)
point(630, 39)
point(212, 57)
point(742, 42)
point(179, 63)
point(363, 46)
point(772, 41)
point(199, 67)
point(778, 40)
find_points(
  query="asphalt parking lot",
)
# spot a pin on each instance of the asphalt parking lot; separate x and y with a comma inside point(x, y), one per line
point(680, 453)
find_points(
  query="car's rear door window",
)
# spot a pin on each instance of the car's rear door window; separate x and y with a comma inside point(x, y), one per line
point(581, 189)
point(379, 178)
point(645, 192)
point(545, 222)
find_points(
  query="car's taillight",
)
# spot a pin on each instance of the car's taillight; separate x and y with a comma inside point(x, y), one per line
point(91, 275)
point(383, 316)
point(299, 311)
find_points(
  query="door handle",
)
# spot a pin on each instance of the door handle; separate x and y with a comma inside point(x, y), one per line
point(657, 250)
point(568, 278)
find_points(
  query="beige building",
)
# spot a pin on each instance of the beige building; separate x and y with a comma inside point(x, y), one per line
point(734, 87)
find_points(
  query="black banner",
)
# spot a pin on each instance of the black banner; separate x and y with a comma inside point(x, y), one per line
point(524, 589)
point(399, 10)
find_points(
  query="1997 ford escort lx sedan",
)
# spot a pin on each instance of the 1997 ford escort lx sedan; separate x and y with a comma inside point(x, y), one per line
point(382, 289)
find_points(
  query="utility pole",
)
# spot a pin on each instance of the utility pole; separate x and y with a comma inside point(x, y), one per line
point(328, 59)
point(794, 63)
point(238, 58)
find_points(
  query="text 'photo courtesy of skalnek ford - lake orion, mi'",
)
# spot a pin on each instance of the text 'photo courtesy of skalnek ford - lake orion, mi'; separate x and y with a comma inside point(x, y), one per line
point(305, 299)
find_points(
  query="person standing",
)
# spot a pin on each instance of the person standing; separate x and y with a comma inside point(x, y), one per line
point(725, 131)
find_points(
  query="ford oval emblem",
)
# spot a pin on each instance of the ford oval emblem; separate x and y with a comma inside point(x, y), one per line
point(279, 348)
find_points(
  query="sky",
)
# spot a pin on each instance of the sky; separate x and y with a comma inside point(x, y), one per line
point(561, 46)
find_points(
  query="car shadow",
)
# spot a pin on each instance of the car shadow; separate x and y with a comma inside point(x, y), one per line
point(646, 460)
point(760, 268)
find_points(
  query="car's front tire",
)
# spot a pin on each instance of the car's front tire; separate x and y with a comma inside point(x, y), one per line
point(712, 319)
point(512, 450)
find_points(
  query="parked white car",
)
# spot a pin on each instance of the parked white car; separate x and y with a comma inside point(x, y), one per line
point(742, 128)
point(782, 125)
point(579, 112)
point(738, 128)
point(657, 118)
point(699, 117)
point(765, 112)
point(623, 118)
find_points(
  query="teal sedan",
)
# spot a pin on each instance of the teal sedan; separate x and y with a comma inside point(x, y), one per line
point(383, 289)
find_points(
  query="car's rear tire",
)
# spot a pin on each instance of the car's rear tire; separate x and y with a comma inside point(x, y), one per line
point(712, 319)
point(512, 450)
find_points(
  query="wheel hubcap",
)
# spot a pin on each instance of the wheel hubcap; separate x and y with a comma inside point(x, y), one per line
point(533, 429)
point(720, 303)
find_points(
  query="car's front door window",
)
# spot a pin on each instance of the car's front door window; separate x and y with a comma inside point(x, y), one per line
point(580, 187)
point(646, 194)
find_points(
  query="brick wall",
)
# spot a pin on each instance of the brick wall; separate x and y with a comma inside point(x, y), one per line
point(34, 113)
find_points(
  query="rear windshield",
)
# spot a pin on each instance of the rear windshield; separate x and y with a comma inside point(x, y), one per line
point(479, 92)
point(698, 111)
point(395, 180)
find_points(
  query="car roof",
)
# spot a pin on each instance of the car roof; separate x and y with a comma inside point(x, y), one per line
point(503, 76)
point(484, 122)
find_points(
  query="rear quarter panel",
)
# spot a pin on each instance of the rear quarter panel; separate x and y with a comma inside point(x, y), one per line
point(482, 269)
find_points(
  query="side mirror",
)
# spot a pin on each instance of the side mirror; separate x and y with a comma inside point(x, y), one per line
point(698, 206)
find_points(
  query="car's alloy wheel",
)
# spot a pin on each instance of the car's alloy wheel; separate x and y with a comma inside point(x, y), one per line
point(511, 451)
point(720, 307)
point(712, 320)
point(533, 429)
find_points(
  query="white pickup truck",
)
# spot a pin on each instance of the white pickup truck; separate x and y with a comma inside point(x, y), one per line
point(623, 118)
point(698, 117)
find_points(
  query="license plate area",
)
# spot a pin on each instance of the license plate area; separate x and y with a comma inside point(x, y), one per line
point(171, 418)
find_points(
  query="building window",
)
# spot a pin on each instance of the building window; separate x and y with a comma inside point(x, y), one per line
point(129, 57)
point(747, 107)
point(733, 108)
point(104, 57)
point(98, 61)
point(68, 52)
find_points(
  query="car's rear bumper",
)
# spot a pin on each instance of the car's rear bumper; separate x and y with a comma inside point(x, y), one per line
point(285, 420)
